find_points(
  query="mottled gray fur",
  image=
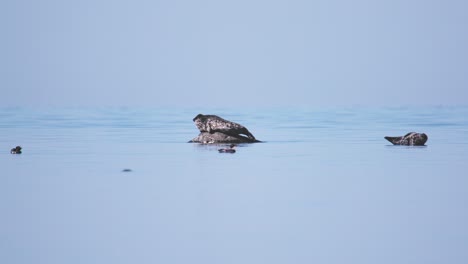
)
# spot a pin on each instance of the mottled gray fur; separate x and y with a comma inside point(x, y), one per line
point(410, 139)
point(213, 123)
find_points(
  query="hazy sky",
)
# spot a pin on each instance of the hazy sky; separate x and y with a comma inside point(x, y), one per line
point(255, 52)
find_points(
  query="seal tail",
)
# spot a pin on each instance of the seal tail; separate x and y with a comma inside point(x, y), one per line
point(394, 140)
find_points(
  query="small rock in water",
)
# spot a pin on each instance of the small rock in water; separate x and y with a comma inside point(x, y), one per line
point(126, 170)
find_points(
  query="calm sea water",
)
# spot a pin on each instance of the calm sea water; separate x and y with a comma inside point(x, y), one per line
point(325, 187)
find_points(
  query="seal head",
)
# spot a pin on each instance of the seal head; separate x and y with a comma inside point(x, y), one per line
point(228, 150)
point(16, 150)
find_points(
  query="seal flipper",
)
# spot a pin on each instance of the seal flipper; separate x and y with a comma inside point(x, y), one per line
point(248, 134)
point(394, 140)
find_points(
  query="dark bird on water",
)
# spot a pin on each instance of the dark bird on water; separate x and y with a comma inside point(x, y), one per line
point(410, 139)
point(228, 150)
point(16, 150)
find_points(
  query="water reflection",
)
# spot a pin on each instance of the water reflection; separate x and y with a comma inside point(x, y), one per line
point(324, 182)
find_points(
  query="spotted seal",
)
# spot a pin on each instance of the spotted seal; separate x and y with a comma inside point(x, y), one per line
point(213, 123)
point(410, 139)
point(221, 138)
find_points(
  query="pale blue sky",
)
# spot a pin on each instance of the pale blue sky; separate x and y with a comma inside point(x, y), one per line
point(228, 53)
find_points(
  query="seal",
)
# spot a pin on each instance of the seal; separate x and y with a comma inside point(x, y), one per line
point(410, 139)
point(213, 123)
point(228, 150)
point(218, 137)
point(16, 150)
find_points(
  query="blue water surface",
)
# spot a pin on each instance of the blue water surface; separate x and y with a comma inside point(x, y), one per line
point(324, 187)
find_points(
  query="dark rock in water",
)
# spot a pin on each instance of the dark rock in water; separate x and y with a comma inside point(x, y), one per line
point(16, 150)
point(410, 139)
point(126, 170)
point(215, 129)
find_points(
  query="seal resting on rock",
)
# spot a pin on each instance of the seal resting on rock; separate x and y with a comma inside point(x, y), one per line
point(214, 129)
point(213, 123)
point(410, 139)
